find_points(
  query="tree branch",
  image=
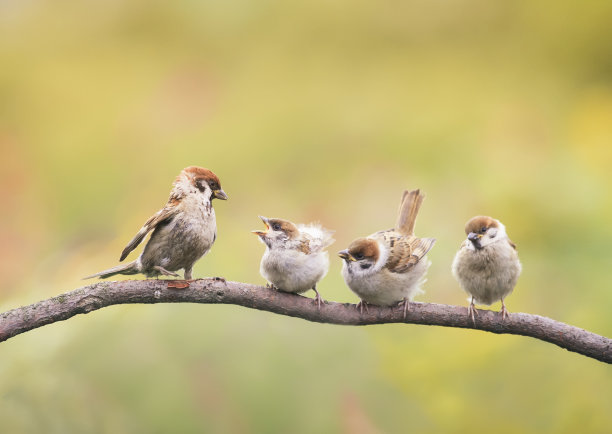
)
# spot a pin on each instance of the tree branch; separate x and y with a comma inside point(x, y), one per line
point(213, 291)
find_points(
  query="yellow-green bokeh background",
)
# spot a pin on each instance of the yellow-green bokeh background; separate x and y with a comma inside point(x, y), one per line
point(308, 110)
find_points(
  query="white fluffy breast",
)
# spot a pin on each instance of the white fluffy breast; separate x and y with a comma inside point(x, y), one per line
point(293, 271)
point(384, 288)
point(488, 274)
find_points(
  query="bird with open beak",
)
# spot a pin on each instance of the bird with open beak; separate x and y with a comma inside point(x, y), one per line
point(487, 265)
point(295, 258)
point(389, 267)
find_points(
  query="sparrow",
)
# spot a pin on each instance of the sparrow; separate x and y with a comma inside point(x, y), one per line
point(389, 267)
point(295, 258)
point(487, 265)
point(183, 231)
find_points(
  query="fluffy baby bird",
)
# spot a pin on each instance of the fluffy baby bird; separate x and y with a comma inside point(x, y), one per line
point(389, 267)
point(295, 258)
point(487, 264)
point(183, 231)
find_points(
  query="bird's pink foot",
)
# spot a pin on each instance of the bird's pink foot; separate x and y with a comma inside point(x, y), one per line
point(504, 312)
point(361, 305)
point(161, 270)
point(472, 311)
point(318, 300)
point(404, 304)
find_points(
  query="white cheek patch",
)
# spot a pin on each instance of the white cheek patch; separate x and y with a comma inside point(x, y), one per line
point(384, 255)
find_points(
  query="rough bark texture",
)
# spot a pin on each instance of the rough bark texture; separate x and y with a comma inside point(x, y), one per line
point(102, 294)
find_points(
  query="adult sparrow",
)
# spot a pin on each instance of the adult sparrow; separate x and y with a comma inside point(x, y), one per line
point(295, 258)
point(388, 267)
point(183, 231)
point(487, 264)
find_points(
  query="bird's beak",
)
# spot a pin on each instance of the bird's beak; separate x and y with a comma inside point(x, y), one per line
point(475, 239)
point(220, 194)
point(344, 254)
point(265, 222)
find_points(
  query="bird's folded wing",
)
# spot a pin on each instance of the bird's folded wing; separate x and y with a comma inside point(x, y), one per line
point(162, 215)
point(317, 238)
point(405, 252)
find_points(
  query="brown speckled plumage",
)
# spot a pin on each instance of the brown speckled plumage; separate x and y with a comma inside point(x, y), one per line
point(389, 266)
point(182, 232)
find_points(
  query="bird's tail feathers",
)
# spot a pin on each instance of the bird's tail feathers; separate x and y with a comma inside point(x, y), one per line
point(408, 210)
point(129, 268)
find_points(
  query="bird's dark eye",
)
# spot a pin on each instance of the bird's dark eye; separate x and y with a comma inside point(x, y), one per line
point(276, 226)
point(483, 229)
point(359, 256)
point(214, 186)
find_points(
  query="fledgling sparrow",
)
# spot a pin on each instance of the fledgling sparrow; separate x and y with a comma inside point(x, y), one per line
point(389, 267)
point(295, 258)
point(183, 231)
point(487, 265)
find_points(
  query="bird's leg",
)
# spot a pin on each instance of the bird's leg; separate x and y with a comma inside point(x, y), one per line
point(188, 273)
point(318, 300)
point(165, 272)
point(405, 302)
point(361, 305)
point(472, 310)
point(504, 311)
point(270, 285)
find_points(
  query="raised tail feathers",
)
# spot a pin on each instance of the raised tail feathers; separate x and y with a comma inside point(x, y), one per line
point(408, 210)
point(129, 268)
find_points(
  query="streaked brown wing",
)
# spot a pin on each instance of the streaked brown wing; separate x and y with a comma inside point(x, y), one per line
point(304, 246)
point(162, 215)
point(406, 251)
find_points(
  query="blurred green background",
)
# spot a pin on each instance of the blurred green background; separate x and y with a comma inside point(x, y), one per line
point(307, 110)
